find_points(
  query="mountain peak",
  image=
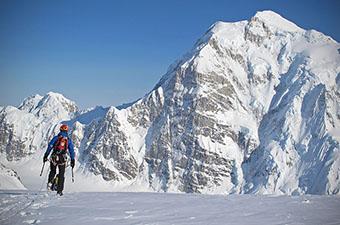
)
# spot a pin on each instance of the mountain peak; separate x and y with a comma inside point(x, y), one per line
point(55, 95)
point(51, 103)
point(30, 103)
point(275, 20)
point(36, 102)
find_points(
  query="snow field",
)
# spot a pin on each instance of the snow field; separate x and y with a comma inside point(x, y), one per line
point(22, 207)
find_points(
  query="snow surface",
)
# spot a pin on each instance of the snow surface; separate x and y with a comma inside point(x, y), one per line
point(23, 207)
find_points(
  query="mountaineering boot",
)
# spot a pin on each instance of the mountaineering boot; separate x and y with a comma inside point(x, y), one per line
point(54, 183)
point(60, 193)
point(49, 186)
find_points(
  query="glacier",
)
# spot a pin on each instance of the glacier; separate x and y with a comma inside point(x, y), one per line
point(253, 107)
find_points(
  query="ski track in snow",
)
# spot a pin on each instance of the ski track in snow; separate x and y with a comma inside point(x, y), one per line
point(25, 207)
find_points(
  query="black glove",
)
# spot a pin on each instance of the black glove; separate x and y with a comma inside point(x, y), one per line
point(72, 163)
point(45, 158)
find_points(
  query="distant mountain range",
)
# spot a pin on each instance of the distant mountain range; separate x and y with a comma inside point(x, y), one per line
point(252, 108)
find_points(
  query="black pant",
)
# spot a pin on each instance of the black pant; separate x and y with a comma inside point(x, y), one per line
point(61, 176)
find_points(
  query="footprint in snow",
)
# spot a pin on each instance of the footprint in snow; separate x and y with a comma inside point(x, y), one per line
point(32, 221)
point(306, 201)
point(29, 213)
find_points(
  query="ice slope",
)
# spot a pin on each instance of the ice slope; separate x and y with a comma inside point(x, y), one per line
point(152, 208)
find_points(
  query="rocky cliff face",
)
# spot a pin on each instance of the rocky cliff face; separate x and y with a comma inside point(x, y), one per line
point(252, 108)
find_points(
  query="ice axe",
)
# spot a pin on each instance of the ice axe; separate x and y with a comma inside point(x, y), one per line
point(72, 176)
point(42, 169)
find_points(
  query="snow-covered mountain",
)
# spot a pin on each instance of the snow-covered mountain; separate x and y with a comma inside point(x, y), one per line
point(24, 130)
point(9, 179)
point(252, 108)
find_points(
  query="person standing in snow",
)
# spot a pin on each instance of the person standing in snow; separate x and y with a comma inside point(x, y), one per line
point(60, 144)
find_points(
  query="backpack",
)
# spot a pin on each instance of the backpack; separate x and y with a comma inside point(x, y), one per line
point(61, 145)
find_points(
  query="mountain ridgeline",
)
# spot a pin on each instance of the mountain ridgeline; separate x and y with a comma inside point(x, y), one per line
point(252, 108)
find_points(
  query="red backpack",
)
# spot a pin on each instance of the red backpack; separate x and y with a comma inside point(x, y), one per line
point(61, 145)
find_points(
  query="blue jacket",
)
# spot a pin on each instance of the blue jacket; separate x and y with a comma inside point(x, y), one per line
point(54, 140)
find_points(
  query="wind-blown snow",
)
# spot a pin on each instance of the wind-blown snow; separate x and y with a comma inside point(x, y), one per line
point(152, 208)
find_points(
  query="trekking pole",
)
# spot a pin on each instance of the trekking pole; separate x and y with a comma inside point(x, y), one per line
point(42, 169)
point(72, 176)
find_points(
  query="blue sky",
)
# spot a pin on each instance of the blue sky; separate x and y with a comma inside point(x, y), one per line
point(113, 52)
